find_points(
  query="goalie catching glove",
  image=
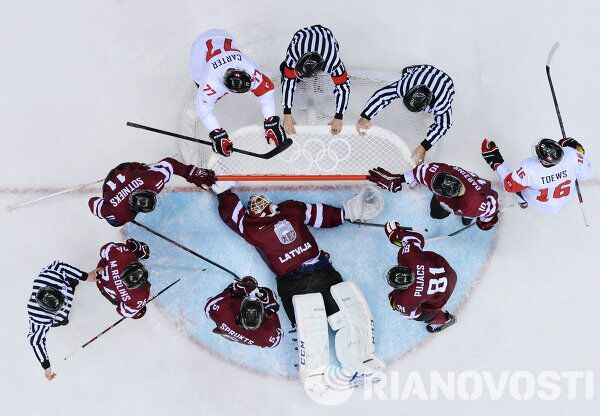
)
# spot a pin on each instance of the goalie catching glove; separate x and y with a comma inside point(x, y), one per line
point(386, 180)
point(202, 178)
point(274, 131)
point(221, 143)
point(366, 205)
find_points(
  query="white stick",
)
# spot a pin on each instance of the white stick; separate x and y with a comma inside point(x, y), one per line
point(64, 191)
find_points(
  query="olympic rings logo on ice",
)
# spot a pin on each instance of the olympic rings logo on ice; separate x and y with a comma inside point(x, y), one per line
point(323, 154)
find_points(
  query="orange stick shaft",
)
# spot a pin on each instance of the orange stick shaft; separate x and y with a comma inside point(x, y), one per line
point(292, 177)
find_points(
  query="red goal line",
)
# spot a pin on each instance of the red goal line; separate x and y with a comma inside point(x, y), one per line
point(258, 178)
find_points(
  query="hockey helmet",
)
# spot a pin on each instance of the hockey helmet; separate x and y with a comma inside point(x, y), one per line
point(237, 80)
point(134, 275)
point(417, 98)
point(50, 298)
point(142, 200)
point(252, 312)
point(260, 205)
point(447, 185)
point(400, 277)
point(309, 64)
point(548, 152)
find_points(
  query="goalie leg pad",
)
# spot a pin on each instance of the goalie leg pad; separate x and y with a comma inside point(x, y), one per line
point(313, 338)
point(354, 339)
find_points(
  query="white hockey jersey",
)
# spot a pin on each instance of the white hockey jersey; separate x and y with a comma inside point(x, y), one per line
point(211, 55)
point(547, 188)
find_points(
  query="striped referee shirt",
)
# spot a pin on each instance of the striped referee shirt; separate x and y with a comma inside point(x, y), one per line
point(440, 107)
point(319, 39)
point(63, 277)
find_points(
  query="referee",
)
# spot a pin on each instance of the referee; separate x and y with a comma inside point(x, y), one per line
point(311, 50)
point(49, 305)
point(422, 88)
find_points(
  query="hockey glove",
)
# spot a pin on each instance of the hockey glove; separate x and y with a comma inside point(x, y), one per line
point(487, 225)
point(221, 143)
point(268, 299)
point(274, 131)
point(571, 142)
point(244, 287)
point(202, 178)
point(140, 249)
point(392, 230)
point(491, 154)
point(140, 314)
point(386, 180)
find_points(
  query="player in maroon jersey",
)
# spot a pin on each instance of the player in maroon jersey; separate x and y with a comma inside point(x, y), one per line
point(124, 280)
point(281, 236)
point(423, 281)
point(455, 190)
point(246, 313)
point(132, 187)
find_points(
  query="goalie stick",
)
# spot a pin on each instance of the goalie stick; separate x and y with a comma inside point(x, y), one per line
point(123, 318)
point(560, 123)
point(284, 145)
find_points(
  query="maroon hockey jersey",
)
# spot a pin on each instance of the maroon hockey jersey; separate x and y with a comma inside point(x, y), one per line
point(224, 309)
point(114, 258)
point(479, 201)
point(129, 177)
point(435, 279)
point(283, 240)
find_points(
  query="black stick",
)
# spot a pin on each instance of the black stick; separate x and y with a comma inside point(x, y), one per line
point(150, 230)
point(283, 146)
point(123, 318)
point(371, 224)
point(562, 126)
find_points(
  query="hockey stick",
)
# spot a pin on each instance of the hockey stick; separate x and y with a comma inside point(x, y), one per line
point(460, 230)
point(64, 191)
point(287, 143)
point(123, 318)
point(370, 224)
point(562, 127)
point(181, 246)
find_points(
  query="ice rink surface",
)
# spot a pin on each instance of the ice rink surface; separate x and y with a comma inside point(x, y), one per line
point(74, 73)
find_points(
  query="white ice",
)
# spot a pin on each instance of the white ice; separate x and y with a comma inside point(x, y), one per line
point(72, 73)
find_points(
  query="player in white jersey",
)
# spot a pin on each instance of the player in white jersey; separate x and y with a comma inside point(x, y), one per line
point(218, 67)
point(546, 180)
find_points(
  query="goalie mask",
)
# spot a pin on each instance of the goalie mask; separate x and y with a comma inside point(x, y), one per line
point(309, 64)
point(447, 185)
point(251, 313)
point(400, 277)
point(237, 80)
point(134, 275)
point(142, 200)
point(548, 152)
point(260, 205)
point(50, 299)
point(417, 98)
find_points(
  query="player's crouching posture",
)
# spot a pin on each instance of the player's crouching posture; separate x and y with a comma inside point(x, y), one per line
point(423, 281)
point(545, 180)
point(312, 50)
point(311, 289)
point(132, 187)
point(455, 190)
point(218, 67)
point(49, 305)
point(422, 88)
point(124, 280)
point(246, 313)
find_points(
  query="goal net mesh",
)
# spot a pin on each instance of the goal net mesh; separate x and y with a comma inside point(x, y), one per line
point(315, 151)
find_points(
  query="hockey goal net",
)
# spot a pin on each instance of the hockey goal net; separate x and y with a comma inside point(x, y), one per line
point(316, 154)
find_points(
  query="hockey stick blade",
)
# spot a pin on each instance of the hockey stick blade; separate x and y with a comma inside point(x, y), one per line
point(270, 154)
point(551, 54)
